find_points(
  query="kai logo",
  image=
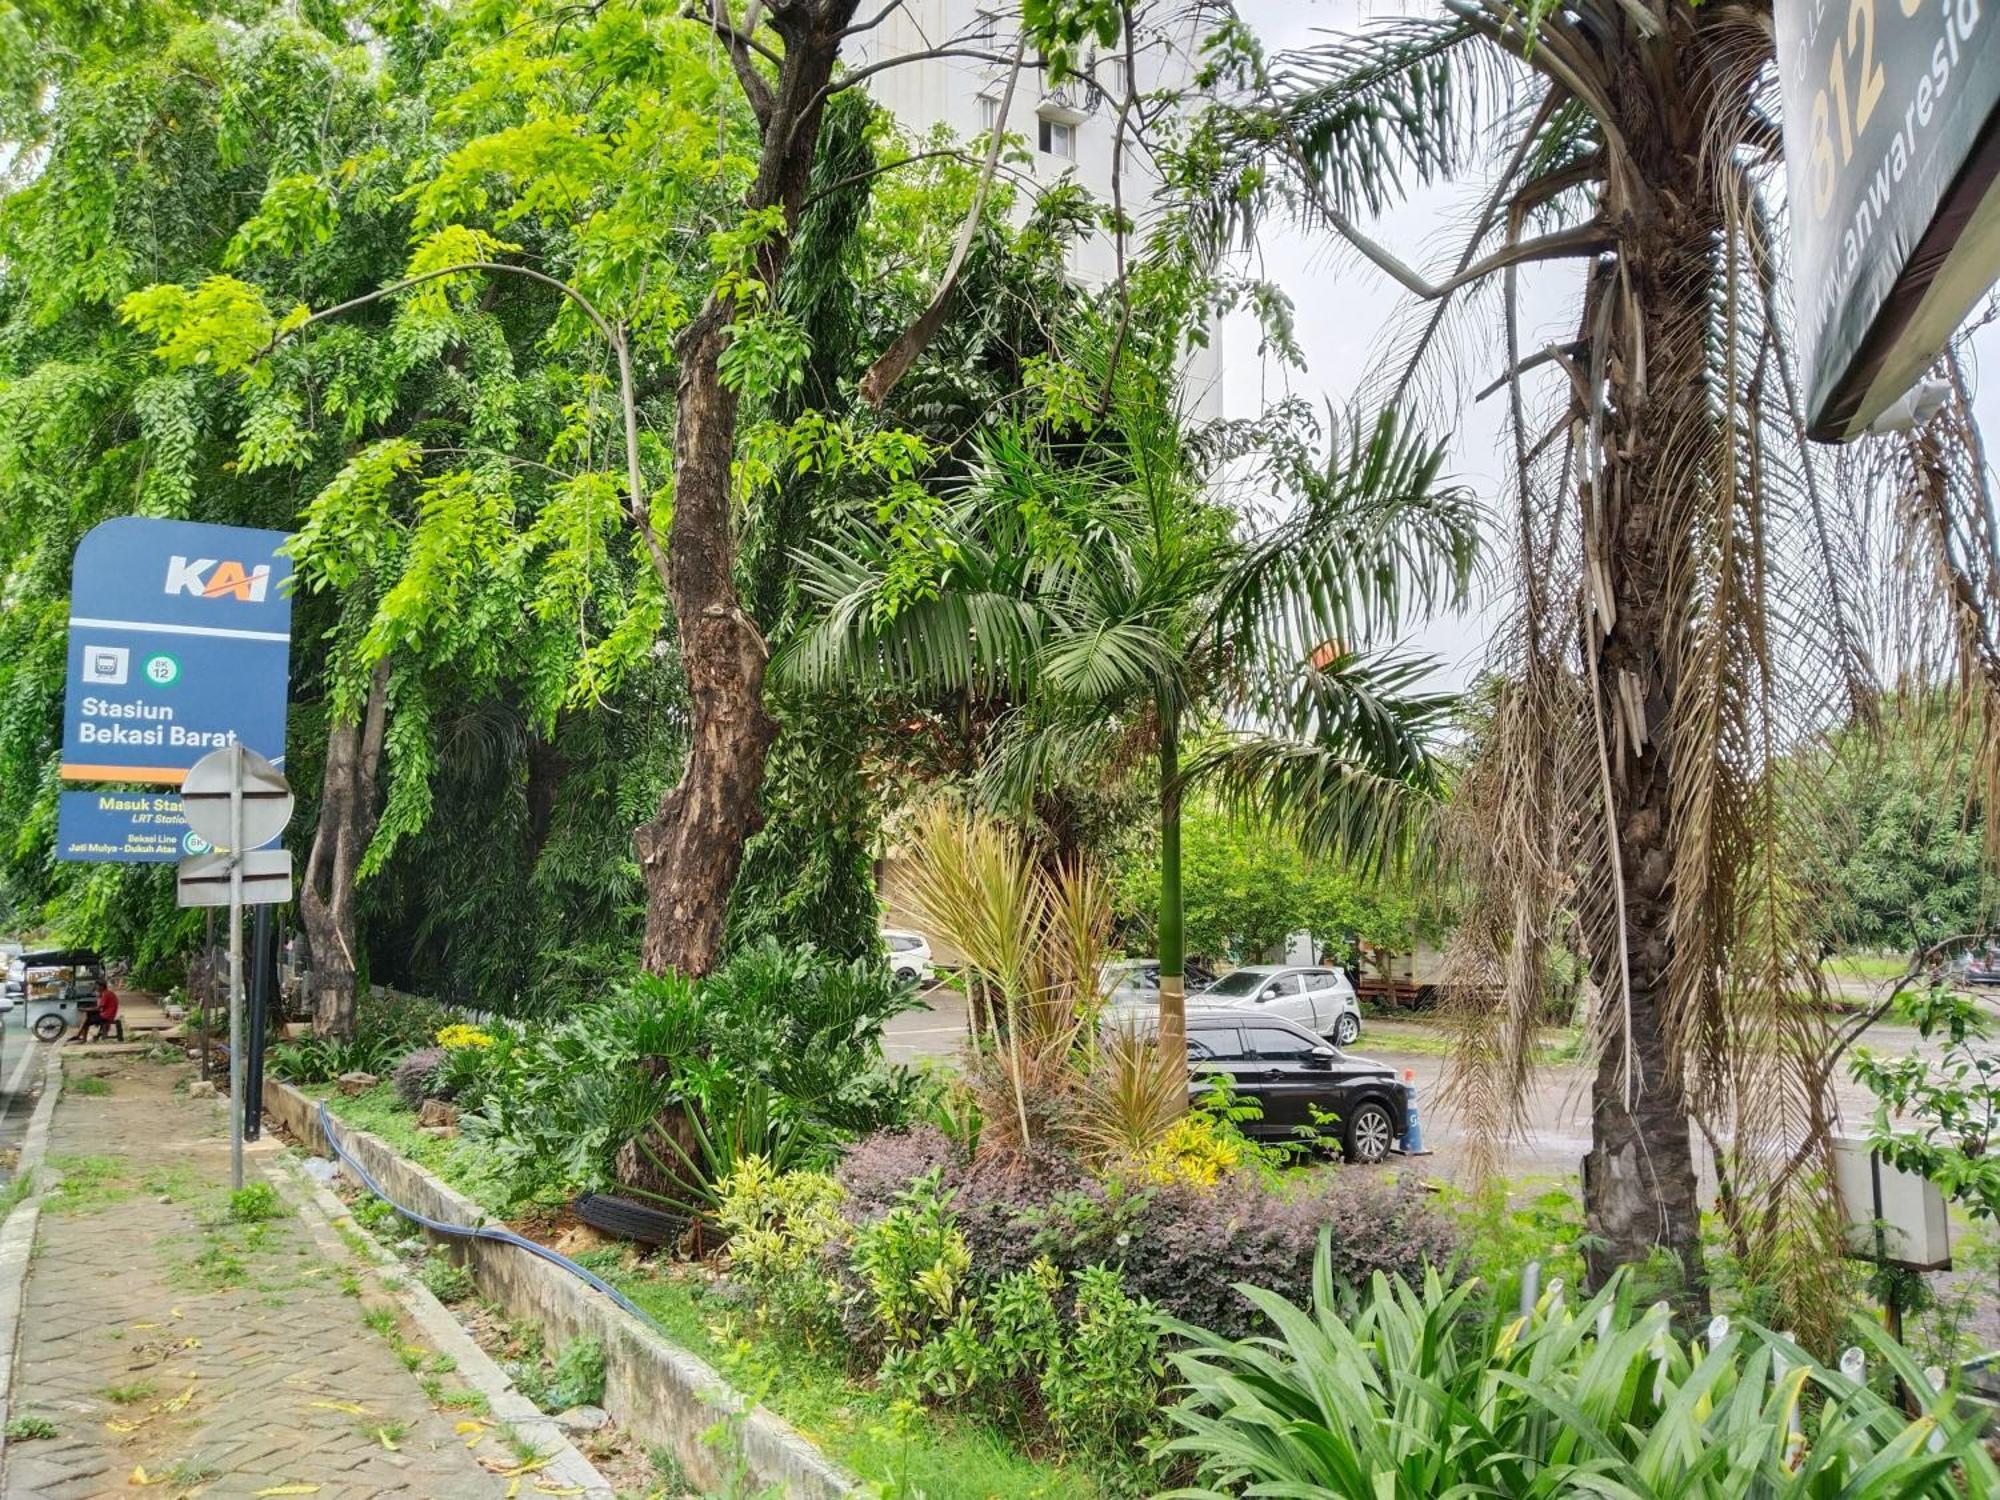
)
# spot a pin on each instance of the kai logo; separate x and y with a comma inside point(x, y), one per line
point(227, 580)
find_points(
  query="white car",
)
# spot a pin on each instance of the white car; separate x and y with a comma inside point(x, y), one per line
point(909, 955)
point(1319, 999)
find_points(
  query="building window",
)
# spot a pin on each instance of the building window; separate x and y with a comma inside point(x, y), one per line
point(989, 113)
point(1111, 79)
point(1058, 138)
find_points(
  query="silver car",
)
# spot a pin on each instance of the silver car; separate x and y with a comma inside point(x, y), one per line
point(1319, 999)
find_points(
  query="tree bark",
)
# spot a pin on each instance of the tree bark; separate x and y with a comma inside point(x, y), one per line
point(691, 851)
point(347, 815)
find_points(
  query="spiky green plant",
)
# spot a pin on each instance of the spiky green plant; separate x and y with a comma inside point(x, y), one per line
point(1400, 1402)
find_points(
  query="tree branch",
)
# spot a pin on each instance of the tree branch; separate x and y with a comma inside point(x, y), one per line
point(740, 45)
point(879, 17)
point(1565, 244)
point(895, 361)
point(849, 80)
point(613, 335)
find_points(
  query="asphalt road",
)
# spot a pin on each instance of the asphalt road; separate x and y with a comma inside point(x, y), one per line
point(1551, 1140)
point(21, 1062)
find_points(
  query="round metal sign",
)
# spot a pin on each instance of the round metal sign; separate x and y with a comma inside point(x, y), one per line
point(267, 797)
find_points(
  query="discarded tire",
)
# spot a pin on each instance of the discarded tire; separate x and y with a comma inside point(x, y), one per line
point(628, 1220)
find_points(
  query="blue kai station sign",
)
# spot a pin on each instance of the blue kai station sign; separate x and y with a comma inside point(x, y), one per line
point(179, 644)
point(124, 828)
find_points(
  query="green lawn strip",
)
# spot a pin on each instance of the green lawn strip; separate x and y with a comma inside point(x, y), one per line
point(940, 1456)
point(926, 1452)
point(1558, 1044)
point(381, 1112)
point(1875, 967)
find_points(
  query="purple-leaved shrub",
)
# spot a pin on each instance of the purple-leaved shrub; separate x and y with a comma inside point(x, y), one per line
point(413, 1074)
point(1182, 1247)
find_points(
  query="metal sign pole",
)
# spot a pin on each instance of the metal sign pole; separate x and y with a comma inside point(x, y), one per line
point(236, 966)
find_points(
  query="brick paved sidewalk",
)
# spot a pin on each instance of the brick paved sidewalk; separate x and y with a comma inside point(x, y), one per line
point(221, 1358)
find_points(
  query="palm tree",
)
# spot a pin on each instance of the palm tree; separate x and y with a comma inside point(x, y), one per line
point(1096, 583)
point(1685, 564)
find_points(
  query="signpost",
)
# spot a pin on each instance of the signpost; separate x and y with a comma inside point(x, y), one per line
point(236, 800)
point(179, 643)
point(179, 648)
point(1892, 151)
point(104, 827)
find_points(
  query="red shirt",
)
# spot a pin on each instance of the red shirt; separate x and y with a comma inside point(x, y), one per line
point(107, 1004)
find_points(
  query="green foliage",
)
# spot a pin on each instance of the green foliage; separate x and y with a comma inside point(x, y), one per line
point(1894, 830)
point(445, 1279)
point(781, 1228)
point(29, 1429)
point(1937, 1115)
point(776, 1054)
point(1248, 886)
point(254, 1203)
point(912, 1264)
point(573, 1377)
point(1080, 1365)
point(1402, 1401)
point(321, 1059)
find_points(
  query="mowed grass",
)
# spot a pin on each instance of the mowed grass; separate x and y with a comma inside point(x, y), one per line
point(1876, 968)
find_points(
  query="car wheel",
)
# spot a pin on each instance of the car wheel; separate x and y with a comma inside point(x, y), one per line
point(1346, 1029)
point(1370, 1133)
point(49, 1026)
point(906, 976)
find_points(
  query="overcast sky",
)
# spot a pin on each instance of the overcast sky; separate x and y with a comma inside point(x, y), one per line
point(1344, 308)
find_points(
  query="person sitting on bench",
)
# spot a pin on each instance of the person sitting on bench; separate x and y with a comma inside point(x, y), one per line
point(101, 1014)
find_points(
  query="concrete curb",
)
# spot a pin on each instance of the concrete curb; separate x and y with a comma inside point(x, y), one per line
point(17, 1235)
point(655, 1390)
point(323, 1214)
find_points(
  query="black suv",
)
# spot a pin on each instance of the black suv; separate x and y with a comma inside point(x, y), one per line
point(1297, 1079)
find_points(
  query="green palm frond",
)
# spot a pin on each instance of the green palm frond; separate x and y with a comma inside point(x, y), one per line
point(1379, 538)
point(1352, 772)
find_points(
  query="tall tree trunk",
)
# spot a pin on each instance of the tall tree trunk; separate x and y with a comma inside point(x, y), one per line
point(691, 851)
point(347, 815)
point(1658, 436)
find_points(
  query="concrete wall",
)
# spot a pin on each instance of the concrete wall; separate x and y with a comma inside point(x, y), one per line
point(653, 1389)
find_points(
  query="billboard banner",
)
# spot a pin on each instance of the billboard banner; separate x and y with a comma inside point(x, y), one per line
point(1892, 154)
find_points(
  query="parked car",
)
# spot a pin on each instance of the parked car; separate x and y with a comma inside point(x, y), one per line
point(1981, 967)
point(1318, 999)
point(1134, 983)
point(909, 955)
point(1298, 1080)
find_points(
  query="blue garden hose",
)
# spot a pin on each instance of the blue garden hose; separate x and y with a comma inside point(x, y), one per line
point(480, 1232)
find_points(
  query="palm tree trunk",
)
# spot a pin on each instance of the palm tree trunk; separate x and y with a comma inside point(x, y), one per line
point(1173, 935)
point(1641, 1199)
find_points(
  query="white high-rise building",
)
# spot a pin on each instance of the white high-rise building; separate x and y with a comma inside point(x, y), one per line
point(1070, 129)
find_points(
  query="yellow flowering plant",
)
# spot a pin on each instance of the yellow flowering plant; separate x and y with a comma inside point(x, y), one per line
point(457, 1036)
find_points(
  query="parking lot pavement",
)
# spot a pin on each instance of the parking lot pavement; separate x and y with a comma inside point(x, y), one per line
point(1552, 1140)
